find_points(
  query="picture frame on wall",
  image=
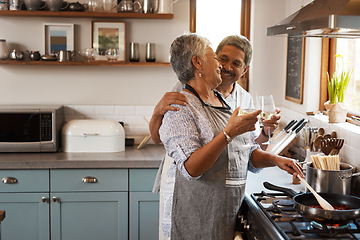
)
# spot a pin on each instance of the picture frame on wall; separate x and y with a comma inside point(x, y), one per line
point(108, 34)
point(58, 36)
point(295, 69)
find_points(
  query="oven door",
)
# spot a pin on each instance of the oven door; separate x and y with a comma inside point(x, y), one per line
point(254, 224)
point(20, 132)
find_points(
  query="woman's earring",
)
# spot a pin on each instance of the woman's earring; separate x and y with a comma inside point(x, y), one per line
point(200, 75)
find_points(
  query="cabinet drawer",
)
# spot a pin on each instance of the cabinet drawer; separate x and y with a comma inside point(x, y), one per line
point(142, 180)
point(88, 180)
point(24, 180)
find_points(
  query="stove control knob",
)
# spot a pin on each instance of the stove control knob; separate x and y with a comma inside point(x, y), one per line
point(244, 223)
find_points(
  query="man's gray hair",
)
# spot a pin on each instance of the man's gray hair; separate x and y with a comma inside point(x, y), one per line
point(182, 49)
point(240, 42)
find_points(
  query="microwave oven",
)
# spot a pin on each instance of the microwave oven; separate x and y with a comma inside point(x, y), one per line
point(30, 128)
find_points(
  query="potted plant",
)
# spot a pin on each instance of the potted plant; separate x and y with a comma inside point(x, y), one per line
point(337, 87)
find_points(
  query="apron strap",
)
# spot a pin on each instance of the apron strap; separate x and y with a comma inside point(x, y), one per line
point(192, 90)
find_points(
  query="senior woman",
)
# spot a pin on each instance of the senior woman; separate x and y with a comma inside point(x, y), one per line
point(209, 145)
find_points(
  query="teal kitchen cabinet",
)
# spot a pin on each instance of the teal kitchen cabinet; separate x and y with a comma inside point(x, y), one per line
point(143, 205)
point(89, 204)
point(24, 196)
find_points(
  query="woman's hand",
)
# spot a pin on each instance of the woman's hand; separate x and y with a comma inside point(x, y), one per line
point(241, 124)
point(262, 159)
point(289, 165)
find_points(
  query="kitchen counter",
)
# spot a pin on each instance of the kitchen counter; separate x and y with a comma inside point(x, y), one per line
point(149, 156)
point(272, 175)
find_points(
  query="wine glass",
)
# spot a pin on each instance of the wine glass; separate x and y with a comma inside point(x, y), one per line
point(112, 54)
point(246, 108)
point(90, 54)
point(268, 109)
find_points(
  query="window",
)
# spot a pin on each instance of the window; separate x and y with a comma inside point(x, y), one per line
point(215, 19)
point(349, 49)
point(218, 19)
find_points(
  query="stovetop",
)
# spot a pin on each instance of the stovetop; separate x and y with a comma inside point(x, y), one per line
point(281, 212)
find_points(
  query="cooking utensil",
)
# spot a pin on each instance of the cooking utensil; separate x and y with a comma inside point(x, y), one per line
point(339, 144)
point(290, 138)
point(323, 203)
point(321, 131)
point(303, 202)
point(274, 146)
point(326, 136)
point(333, 134)
point(286, 128)
point(317, 143)
point(330, 181)
point(330, 143)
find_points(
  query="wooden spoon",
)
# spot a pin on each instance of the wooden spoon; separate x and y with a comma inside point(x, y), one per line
point(333, 134)
point(323, 203)
point(317, 143)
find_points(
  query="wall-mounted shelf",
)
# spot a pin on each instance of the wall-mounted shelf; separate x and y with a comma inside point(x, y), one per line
point(92, 63)
point(72, 14)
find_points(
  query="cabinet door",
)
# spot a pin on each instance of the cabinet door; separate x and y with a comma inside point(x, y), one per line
point(144, 216)
point(89, 215)
point(26, 216)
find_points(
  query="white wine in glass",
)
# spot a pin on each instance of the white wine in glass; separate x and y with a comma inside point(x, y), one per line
point(268, 109)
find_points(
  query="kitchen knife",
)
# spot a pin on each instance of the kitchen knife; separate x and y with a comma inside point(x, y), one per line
point(290, 138)
point(286, 128)
point(276, 146)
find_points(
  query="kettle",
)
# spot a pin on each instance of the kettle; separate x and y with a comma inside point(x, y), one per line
point(4, 51)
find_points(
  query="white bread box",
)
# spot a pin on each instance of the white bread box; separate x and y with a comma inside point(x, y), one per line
point(93, 136)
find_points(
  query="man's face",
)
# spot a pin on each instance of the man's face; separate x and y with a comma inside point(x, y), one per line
point(232, 60)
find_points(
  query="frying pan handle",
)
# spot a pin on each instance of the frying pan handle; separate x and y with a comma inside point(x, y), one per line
point(289, 192)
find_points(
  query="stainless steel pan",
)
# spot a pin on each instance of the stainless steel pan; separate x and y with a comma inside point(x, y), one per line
point(303, 200)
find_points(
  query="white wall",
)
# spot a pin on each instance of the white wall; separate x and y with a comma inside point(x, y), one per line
point(89, 85)
point(268, 69)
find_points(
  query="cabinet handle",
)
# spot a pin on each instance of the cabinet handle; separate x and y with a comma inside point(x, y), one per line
point(44, 199)
point(9, 180)
point(89, 179)
point(55, 199)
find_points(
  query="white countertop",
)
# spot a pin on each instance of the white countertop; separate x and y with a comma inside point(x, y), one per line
point(272, 175)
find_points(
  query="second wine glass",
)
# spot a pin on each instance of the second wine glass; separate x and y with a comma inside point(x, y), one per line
point(267, 106)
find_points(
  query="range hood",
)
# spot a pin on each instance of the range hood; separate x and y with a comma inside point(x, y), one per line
point(322, 18)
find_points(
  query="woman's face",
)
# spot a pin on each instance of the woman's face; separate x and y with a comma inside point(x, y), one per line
point(212, 69)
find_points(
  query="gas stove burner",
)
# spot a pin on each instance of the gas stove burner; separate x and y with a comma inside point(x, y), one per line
point(329, 226)
point(283, 202)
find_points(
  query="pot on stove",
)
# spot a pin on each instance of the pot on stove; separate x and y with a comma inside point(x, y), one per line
point(327, 181)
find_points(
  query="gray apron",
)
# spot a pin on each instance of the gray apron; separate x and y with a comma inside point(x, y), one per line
point(207, 208)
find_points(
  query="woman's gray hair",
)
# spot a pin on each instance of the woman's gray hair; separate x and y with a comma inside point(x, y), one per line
point(182, 49)
point(240, 42)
